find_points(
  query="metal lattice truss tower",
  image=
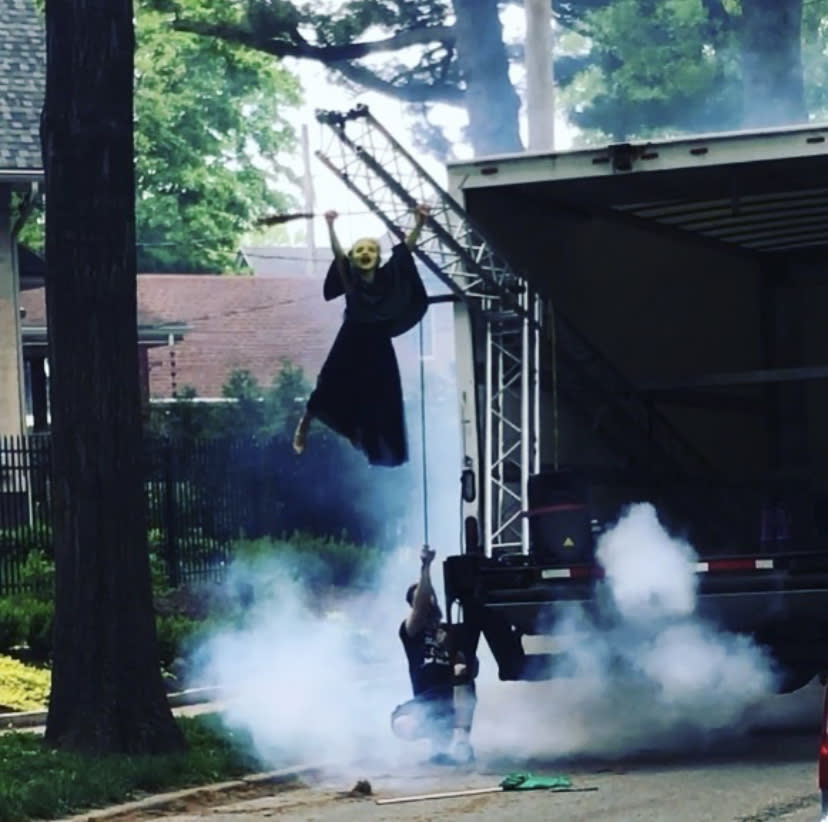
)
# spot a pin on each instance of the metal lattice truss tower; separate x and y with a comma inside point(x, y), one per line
point(503, 317)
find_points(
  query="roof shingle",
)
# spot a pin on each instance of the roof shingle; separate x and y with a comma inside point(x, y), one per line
point(22, 85)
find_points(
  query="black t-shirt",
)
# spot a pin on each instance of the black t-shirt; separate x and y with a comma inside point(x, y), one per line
point(429, 660)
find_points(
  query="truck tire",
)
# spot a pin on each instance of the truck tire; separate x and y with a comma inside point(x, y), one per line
point(794, 677)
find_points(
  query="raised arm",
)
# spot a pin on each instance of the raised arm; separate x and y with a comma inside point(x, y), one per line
point(421, 607)
point(340, 256)
point(420, 214)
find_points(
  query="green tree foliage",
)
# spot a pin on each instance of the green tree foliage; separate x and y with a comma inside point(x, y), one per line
point(419, 52)
point(649, 65)
point(210, 134)
point(815, 66)
point(657, 66)
point(694, 65)
point(250, 410)
point(210, 142)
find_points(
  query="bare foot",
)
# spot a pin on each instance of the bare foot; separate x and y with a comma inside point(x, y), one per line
point(301, 435)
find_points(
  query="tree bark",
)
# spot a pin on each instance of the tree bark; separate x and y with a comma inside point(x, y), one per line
point(492, 104)
point(774, 92)
point(107, 692)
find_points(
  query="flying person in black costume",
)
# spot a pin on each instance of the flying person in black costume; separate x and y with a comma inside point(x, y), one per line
point(358, 392)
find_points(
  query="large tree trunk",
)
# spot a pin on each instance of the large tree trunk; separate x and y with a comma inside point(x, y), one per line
point(772, 62)
point(492, 104)
point(107, 692)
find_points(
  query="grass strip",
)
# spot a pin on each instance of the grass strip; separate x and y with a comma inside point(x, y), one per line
point(38, 782)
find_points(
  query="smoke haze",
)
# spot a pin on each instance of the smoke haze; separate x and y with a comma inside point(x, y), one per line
point(647, 673)
point(313, 680)
point(317, 681)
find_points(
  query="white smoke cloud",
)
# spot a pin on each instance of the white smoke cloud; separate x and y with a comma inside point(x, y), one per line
point(318, 680)
point(309, 679)
point(649, 573)
point(646, 673)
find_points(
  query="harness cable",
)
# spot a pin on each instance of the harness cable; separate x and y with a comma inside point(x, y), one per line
point(423, 438)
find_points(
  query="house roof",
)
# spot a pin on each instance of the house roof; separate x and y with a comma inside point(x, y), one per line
point(22, 88)
point(286, 261)
point(227, 323)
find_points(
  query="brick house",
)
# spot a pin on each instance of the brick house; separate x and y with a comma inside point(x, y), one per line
point(195, 329)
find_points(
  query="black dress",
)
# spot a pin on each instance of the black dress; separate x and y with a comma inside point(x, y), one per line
point(358, 392)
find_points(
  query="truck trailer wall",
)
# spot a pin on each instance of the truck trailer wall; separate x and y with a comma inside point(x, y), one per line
point(662, 307)
point(814, 307)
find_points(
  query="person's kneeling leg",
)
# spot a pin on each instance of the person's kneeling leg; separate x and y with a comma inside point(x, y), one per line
point(431, 718)
point(465, 702)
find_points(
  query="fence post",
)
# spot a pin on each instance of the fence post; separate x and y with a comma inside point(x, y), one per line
point(171, 513)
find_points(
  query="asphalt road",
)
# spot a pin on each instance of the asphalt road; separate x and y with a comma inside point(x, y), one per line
point(765, 772)
point(764, 776)
point(772, 779)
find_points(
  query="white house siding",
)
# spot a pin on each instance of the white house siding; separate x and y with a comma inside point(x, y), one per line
point(11, 368)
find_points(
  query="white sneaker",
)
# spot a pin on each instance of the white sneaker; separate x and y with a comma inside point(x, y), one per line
point(462, 752)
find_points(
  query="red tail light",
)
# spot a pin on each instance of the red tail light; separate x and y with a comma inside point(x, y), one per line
point(823, 755)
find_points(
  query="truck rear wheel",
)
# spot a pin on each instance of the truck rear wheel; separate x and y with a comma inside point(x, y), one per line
point(793, 677)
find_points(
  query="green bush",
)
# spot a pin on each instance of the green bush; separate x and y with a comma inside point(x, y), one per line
point(158, 571)
point(177, 636)
point(13, 624)
point(37, 574)
point(40, 622)
point(20, 541)
point(184, 615)
point(25, 687)
point(314, 562)
point(26, 620)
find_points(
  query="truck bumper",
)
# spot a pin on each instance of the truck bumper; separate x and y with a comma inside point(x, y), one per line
point(742, 611)
point(739, 611)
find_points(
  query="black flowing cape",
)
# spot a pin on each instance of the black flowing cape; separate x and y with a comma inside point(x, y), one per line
point(358, 392)
point(396, 297)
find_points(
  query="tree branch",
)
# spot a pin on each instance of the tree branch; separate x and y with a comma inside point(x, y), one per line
point(721, 20)
point(289, 47)
point(717, 12)
point(411, 92)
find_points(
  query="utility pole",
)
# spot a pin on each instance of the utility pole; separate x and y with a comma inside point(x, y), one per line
point(307, 187)
point(540, 85)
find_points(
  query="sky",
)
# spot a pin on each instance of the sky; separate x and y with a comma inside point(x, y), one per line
point(322, 93)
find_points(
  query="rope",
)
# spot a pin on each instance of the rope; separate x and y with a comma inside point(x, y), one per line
point(423, 438)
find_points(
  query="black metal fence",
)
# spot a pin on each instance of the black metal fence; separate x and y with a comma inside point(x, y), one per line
point(202, 496)
point(25, 509)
